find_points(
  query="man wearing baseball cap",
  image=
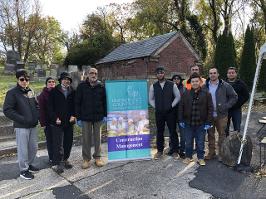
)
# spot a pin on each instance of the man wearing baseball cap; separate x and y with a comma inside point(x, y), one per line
point(21, 106)
point(164, 96)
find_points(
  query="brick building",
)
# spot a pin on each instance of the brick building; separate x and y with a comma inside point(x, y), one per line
point(138, 60)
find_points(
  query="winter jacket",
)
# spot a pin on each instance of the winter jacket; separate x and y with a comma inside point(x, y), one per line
point(60, 106)
point(163, 97)
point(204, 102)
point(43, 104)
point(226, 97)
point(242, 92)
point(90, 102)
point(21, 106)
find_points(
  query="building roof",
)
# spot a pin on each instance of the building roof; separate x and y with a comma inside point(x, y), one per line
point(144, 48)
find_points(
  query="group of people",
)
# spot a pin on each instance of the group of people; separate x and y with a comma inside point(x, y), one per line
point(127, 125)
point(198, 107)
point(195, 105)
point(58, 108)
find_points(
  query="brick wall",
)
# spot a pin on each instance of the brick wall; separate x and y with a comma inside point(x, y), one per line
point(176, 58)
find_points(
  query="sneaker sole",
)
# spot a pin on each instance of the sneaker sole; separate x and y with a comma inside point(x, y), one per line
point(33, 171)
point(25, 178)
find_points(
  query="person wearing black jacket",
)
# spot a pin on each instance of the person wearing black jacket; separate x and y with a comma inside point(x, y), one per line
point(61, 111)
point(235, 113)
point(44, 118)
point(91, 110)
point(21, 106)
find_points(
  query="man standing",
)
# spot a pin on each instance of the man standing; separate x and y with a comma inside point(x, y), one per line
point(195, 116)
point(91, 110)
point(235, 113)
point(44, 118)
point(223, 98)
point(21, 106)
point(164, 96)
point(193, 69)
point(61, 110)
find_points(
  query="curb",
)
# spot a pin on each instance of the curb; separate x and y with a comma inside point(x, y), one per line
point(41, 145)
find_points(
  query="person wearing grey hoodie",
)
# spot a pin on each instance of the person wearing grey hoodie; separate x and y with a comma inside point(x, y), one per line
point(223, 98)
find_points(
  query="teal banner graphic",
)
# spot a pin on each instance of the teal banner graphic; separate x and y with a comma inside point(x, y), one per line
point(127, 120)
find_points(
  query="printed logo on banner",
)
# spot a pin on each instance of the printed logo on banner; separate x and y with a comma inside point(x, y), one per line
point(128, 123)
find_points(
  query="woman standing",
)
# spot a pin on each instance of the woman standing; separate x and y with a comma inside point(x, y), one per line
point(44, 119)
point(178, 81)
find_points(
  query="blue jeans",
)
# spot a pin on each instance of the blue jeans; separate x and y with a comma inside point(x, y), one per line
point(182, 139)
point(197, 133)
point(236, 116)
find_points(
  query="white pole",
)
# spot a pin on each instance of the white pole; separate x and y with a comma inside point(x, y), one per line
point(261, 56)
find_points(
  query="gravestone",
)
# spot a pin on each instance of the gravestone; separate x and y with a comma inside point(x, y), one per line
point(53, 70)
point(230, 150)
point(72, 68)
point(40, 71)
point(13, 62)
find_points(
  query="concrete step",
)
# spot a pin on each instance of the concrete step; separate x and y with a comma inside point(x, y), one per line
point(7, 138)
point(4, 120)
point(7, 130)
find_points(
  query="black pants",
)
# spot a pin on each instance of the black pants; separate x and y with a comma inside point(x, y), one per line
point(170, 119)
point(62, 143)
point(49, 141)
point(236, 116)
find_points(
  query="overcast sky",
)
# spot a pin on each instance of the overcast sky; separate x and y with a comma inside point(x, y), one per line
point(71, 13)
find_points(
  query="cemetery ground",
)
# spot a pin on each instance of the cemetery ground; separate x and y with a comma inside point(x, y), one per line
point(165, 178)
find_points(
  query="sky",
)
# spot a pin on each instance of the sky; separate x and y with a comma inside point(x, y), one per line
point(71, 13)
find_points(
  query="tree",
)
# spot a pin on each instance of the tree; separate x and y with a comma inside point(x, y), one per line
point(262, 77)
point(225, 54)
point(96, 41)
point(248, 59)
point(47, 42)
point(155, 17)
point(18, 24)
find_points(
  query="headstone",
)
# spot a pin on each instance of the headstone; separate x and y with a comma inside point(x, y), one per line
point(230, 150)
point(53, 70)
point(76, 78)
point(72, 68)
point(10, 68)
point(13, 62)
point(32, 66)
point(60, 69)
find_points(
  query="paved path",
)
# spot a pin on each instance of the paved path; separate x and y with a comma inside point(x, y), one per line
point(137, 179)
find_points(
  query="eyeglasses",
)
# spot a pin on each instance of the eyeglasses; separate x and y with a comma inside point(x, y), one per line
point(23, 79)
point(160, 72)
point(93, 73)
point(51, 81)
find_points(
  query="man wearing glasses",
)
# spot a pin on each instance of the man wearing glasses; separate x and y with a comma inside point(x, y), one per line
point(164, 96)
point(91, 110)
point(223, 98)
point(21, 106)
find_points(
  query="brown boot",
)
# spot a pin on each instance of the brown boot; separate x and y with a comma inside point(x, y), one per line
point(158, 155)
point(99, 162)
point(85, 164)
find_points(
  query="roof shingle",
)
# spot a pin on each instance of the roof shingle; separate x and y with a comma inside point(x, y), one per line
point(137, 49)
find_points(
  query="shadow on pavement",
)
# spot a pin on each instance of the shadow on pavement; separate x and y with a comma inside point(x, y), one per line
point(11, 170)
point(68, 192)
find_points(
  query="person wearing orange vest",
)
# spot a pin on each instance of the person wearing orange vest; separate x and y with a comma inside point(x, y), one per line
point(193, 69)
